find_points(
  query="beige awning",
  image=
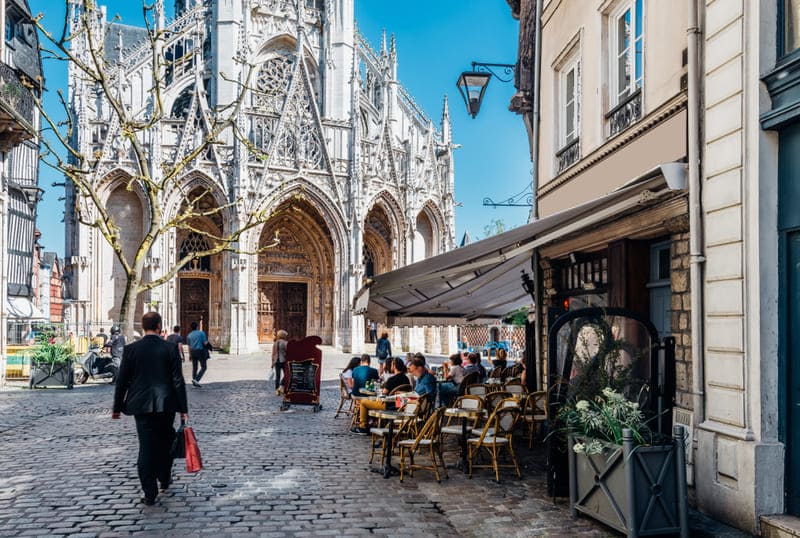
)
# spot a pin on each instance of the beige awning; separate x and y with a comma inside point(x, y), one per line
point(483, 279)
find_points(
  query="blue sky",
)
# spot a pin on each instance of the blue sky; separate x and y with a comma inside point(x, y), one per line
point(436, 40)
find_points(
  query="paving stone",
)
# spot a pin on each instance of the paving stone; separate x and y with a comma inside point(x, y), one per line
point(267, 473)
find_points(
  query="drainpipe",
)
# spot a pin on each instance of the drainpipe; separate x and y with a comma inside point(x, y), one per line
point(696, 257)
point(534, 215)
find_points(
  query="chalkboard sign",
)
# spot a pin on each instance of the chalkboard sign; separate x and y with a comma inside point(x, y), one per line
point(302, 373)
point(302, 376)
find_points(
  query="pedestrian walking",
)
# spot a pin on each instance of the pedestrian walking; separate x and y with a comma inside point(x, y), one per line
point(150, 387)
point(198, 352)
point(279, 358)
point(373, 331)
point(177, 339)
point(383, 350)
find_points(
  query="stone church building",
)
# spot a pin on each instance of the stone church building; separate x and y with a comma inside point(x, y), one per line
point(368, 174)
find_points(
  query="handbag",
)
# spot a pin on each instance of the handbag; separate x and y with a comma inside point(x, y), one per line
point(194, 462)
point(178, 449)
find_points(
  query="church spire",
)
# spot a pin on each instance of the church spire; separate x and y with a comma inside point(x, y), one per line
point(383, 43)
point(159, 15)
point(447, 132)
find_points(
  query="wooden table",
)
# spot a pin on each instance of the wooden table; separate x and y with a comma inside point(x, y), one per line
point(464, 415)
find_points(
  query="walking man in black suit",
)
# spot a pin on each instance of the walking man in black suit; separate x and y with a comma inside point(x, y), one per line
point(150, 387)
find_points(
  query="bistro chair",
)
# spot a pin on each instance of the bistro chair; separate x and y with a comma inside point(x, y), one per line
point(509, 401)
point(515, 387)
point(497, 372)
point(401, 389)
point(493, 398)
point(356, 409)
point(453, 425)
point(477, 389)
point(495, 436)
point(345, 400)
point(514, 371)
point(469, 379)
point(534, 413)
point(380, 434)
point(429, 439)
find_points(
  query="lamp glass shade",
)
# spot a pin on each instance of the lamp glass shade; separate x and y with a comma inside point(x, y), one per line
point(472, 86)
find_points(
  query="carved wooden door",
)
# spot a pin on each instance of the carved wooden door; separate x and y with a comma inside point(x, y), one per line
point(194, 304)
point(282, 305)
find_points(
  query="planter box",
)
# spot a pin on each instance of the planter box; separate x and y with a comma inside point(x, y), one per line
point(58, 374)
point(638, 491)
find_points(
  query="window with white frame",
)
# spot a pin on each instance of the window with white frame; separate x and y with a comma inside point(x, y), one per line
point(626, 37)
point(569, 100)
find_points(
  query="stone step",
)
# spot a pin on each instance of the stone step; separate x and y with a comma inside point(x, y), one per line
point(780, 526)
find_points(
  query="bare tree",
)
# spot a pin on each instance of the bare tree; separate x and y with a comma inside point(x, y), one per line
point(153, 178)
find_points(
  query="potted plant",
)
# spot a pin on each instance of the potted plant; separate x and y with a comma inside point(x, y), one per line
point(51, 362)
point(621, 473)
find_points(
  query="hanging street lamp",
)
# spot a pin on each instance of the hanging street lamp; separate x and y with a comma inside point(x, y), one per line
point(472, 84)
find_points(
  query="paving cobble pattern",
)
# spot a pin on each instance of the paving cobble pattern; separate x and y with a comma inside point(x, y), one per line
point(67, 469)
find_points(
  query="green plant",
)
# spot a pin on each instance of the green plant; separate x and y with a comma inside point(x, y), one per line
point(603, 419)
point(48, 350)
point(604, 392)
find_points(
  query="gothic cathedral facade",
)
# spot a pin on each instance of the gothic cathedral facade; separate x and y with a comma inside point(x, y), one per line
point(328, 128)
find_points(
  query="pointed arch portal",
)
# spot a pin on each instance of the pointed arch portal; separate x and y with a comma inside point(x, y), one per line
point(295, 279)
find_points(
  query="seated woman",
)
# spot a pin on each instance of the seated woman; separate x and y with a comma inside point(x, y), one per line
point(347, 373)
point(500, 358)
point(397, 380)
point(449, 389)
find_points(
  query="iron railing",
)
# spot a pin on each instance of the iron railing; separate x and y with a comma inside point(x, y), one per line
point(15, 97)
point(626, 113)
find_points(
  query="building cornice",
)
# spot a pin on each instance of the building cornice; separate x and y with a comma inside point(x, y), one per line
point(619, 141)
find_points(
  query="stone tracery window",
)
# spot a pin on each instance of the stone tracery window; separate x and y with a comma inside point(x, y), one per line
point(272, 82)
point(180, 108)
point(195, 242)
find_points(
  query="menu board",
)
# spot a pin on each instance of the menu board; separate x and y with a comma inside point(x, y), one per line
point(302, 376)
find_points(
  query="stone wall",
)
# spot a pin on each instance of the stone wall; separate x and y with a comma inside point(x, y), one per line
point(681, 318)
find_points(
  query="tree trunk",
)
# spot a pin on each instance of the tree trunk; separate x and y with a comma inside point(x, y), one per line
point(127, 310)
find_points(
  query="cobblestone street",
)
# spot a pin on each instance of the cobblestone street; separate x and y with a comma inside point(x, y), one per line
point(67, 469)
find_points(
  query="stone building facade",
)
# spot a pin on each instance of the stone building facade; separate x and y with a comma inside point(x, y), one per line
point(20, 76)
point(736, 369)
point(328, 129)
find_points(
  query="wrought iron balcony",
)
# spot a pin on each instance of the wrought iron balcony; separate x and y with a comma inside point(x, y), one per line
point(569, 155)
point(16, 109)
point(626, 113)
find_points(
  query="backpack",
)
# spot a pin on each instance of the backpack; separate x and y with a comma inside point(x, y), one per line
point(382, 349)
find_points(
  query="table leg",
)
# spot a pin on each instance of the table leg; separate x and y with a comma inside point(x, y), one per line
point(387, 451)
point(463, 464)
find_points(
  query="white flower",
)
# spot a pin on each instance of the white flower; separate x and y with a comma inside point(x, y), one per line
point(582, 405)
point(578, 448)
point(611, 394)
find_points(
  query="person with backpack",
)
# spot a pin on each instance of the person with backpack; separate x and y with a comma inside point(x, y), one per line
point(383, 350)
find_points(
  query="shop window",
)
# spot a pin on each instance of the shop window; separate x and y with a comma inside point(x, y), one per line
point(790, 32)
point(659, 287)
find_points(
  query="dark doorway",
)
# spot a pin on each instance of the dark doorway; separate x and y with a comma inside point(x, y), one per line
point(282, 305)
point(194, 304)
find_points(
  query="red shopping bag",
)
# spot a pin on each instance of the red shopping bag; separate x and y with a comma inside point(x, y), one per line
point(194, 462)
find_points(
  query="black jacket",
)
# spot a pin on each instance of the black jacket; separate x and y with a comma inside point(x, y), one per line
point(150, 379)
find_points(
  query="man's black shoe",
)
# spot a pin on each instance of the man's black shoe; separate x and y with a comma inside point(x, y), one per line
point(359, 431)
point(165, 486)
point(195, 383)
point(148, 502)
